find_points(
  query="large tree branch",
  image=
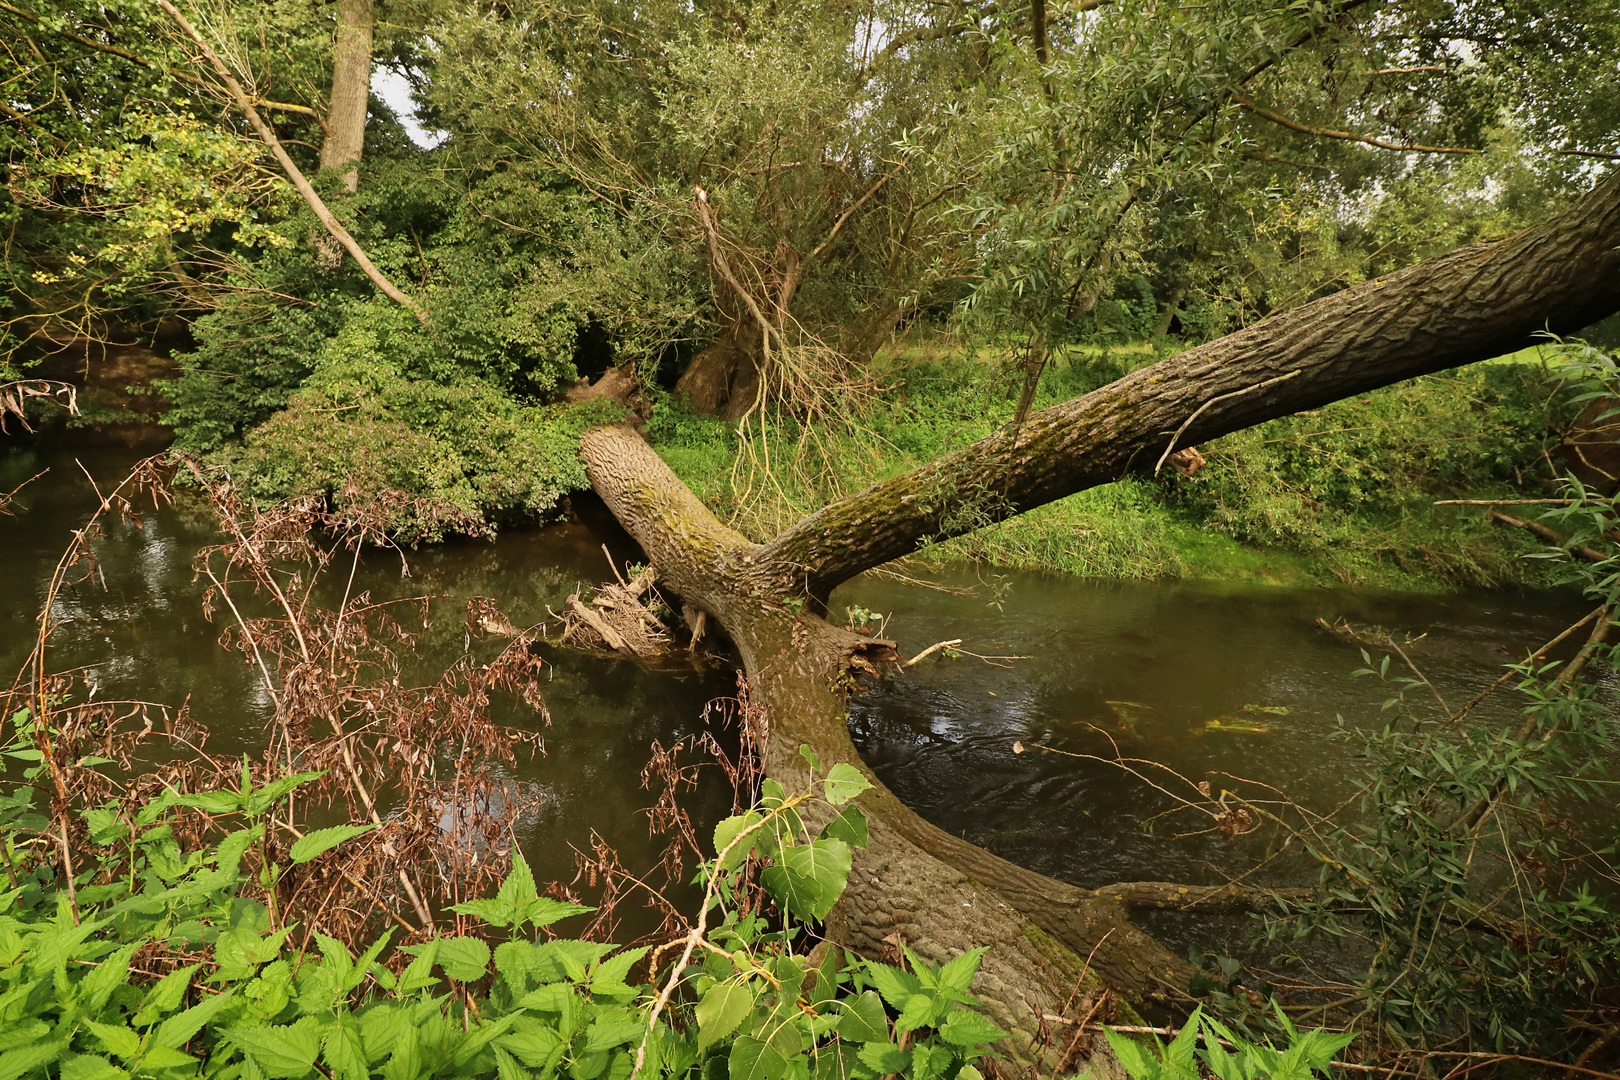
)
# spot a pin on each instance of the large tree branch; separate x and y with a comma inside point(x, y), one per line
point(294, 173)
point(1471, 304)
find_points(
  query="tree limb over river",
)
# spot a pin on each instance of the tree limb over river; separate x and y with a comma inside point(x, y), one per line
point(941, 894)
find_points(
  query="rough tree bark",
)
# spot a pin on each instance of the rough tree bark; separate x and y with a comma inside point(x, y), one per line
point(940, 893)
point(351, 88)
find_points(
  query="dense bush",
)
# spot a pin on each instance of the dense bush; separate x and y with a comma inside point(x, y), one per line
point(160, 959)
point(309, 381)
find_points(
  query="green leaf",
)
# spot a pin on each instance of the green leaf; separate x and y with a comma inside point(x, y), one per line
point(464, 959)
point(90, 1067)
point(21, 1033)
point(405, 1063)
point(722, 1008)
point(344, 1053)
point(1138, 1063)
point(918, 1012)
point(210, 802)
point(849, 826)
point(810, 756)
point(507, 1067)
point(320, 841)
point(896, 986)
point(844, 782)
point(418, 974)
point(539, 1048)
point(810, 877)
point(178, 1030)
point(543, 911)
point(964, 1027)
point(752, 1059)
point(492, 912)
point(958, 973)
point(26, 1059)
point(864, 1019)
point(611, 973)
point(280, 1051)
point(607, 1032)
point(98, 986)
point(262, 799)
point(164, 1057)
point(553, 997)
point(883, 1057)
point(117, 1039)
point(728, 831)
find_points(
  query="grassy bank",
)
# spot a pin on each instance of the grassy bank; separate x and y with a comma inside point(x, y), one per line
point(1342, 495)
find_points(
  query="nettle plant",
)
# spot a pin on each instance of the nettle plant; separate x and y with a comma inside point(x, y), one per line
point(152, 958)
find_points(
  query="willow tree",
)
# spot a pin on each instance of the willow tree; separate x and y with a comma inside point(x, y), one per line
point(940, 893)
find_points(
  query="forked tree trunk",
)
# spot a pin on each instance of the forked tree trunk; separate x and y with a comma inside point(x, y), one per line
point(351, 87)
point(942, 894)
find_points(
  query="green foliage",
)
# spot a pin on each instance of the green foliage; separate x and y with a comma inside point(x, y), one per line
point(362, 425)
point(1475, 907)
point(1205, 1047)
point(1353, 484)
point(223, 988)
point(343, 393)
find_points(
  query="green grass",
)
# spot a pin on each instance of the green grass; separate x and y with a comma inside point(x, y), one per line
point(1341, 495)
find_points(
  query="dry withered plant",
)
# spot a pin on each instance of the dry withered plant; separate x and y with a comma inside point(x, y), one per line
point(670, 776)
point(419, 764)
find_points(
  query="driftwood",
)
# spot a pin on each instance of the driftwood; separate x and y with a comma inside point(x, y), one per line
point(617, 618)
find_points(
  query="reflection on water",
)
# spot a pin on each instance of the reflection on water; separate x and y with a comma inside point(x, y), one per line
point(1243, 680)
point(1205, 679)
point(139, 629)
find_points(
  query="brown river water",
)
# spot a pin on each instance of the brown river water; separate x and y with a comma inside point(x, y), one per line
point(1207, 679)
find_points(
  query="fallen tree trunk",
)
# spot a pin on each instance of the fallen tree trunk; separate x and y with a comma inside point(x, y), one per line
point(1472, 304)
point(941, 894)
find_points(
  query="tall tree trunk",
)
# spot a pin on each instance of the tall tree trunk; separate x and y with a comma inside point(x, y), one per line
point(938, 892)
point(351, 88)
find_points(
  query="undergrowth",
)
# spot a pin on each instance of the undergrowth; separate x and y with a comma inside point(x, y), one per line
point(1343, 494)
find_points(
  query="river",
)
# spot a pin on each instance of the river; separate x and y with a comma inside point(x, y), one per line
point(1206, 679)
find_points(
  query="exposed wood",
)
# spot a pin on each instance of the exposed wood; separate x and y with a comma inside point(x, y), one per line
point(931, 650)
point(1591, 555)
point(600, 625)
point(1504, 502)
point(244, 103)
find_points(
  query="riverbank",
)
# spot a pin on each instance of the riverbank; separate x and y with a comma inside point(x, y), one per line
point(1342, 495)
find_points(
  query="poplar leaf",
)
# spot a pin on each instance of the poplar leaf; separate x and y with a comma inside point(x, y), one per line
point(752, 1059)
point(864, 1019)
point(721, 1010)
point(844, 782)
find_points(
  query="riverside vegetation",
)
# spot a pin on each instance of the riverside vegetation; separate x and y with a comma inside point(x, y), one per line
point(176, 917)
point(163, 921)
point(736, 205)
